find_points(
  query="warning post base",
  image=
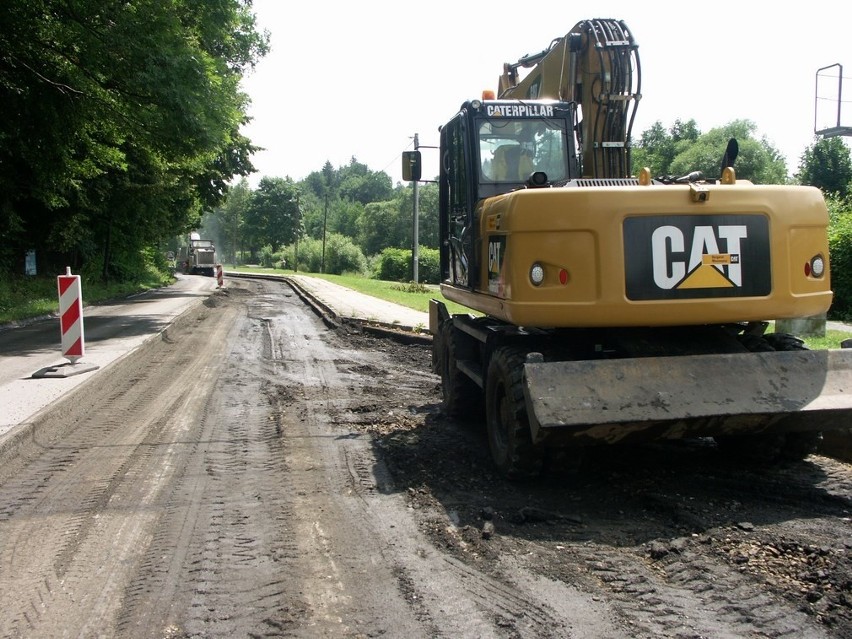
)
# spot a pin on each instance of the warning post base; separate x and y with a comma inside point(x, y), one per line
point(66, 369)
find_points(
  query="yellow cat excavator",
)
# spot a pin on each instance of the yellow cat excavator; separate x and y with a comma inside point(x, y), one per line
point(614, 308)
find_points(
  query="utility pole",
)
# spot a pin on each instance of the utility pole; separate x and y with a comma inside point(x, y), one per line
point(298, 232)
point(415, 251)
point(324, 224)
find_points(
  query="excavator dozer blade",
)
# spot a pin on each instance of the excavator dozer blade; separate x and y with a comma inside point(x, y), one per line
point(611, 401)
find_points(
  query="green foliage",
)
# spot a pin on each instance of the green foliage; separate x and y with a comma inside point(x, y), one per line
point(395, 265)
point(266, 256)
point(359, 184)
point(121, 123)
point(684, 149)
point(26, 297)
point(657, 148)
point(840, 256)
point(310, 255)
point(412, 287)
point(382, 225)
point(225, 224)
point(428, 233)
point(343, 256)
point(827, 164)
point(429, 265)
point(274, 213)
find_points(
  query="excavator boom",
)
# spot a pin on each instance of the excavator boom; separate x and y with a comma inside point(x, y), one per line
point(596, 66)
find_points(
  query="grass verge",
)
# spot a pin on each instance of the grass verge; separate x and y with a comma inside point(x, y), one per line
point(23, 297)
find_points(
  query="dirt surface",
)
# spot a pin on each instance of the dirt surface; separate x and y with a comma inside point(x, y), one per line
point(256, 473)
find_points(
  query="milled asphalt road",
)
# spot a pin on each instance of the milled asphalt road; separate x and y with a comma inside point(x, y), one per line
point(114, 330)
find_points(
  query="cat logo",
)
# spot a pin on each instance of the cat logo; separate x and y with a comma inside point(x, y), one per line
point(670, 257)
point(496, 252)
point(706, 266)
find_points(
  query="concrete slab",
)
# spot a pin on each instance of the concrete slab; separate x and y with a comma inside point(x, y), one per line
point(349, 304)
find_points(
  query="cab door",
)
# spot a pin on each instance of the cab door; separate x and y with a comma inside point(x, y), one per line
point(458, 263)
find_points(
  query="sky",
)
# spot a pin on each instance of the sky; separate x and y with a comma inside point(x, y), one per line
point(360, 79)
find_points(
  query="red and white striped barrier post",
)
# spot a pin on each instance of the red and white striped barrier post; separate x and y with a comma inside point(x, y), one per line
point(71, 327)
point(219, 278)
point(71, 315)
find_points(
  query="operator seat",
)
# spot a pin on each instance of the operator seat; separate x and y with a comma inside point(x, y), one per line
point(510, 165)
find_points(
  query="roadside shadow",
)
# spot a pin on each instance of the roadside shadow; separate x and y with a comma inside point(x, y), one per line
point(44, 337)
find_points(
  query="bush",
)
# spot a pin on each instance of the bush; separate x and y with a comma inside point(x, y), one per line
point(343, 256)
point(429, 265)
point(266, 256)
point(840, 252)
point(394, 265)
point(310, 255)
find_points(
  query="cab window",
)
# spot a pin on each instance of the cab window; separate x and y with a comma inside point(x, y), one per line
point(511, 149)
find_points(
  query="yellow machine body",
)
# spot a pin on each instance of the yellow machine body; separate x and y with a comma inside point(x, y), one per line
point(580, 238)
point(613, 307)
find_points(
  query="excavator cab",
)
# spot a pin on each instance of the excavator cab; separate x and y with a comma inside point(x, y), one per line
point(511, 150)
point(493, 147)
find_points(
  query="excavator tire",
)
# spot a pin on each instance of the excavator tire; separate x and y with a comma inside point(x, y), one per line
point(462, 398)
point(785, 342)
point(772, 447)
point(797, 446)
point(509, 435)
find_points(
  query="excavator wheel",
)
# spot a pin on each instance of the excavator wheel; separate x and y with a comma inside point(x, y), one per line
point(773, 447)
point(461, 395)
point(785, 342)
point(509, 435)
point(797, 446)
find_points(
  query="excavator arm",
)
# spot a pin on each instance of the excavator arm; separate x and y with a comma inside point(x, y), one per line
point(596, 66)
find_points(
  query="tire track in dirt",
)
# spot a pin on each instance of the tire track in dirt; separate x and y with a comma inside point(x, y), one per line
point(87, 490)
point(217, 566)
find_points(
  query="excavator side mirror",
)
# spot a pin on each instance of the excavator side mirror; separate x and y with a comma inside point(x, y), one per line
point(411, 166)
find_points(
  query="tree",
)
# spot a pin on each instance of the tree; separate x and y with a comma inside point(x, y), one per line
point(359, 184)
point(840, 255)
point(224, 226)
point(684, 150)
point(657, 148)
point(114, 112)
point(428, 233)
point(382, 226)
point(273, 215)
point(827, 164)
